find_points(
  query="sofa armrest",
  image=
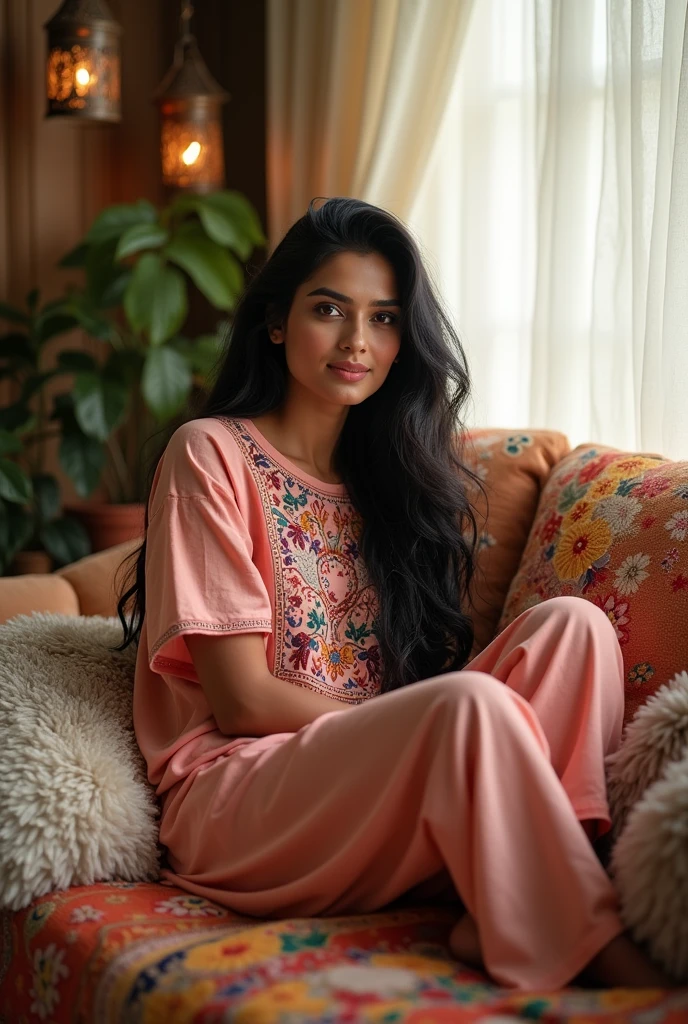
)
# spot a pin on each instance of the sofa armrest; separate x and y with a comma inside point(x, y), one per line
point(23, 595)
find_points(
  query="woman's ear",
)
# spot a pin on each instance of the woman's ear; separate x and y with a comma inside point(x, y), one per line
point(274, 326)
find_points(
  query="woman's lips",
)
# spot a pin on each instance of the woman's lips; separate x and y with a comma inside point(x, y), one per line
point(348, 374)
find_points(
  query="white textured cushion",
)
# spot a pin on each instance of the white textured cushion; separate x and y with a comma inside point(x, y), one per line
point(75, 804)
point(647, 781)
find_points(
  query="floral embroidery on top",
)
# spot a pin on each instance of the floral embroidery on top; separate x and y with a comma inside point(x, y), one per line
point(325, 606)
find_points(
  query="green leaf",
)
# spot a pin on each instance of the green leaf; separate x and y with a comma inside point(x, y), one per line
point(89, 318)
point(99, 404)
point(83, 460)
point(20, 528)
point(237, 208)
point(76, 362)
point(34, 383)
point(66, 540)
point(156, 299)
point(76, 257)
point(15, 416)
point(201, 353)
point(46, 494)
point(4, 537)
point(51, 326)
point(17, 347)
point(13, 314)
point(15, 485)
point(137, 295)
point(113, 293)
point(166, 382)
point(9, 443)
point(124, 365)
point(140, 236)
point(101, 271)
point(114, 220)
point(213, 270)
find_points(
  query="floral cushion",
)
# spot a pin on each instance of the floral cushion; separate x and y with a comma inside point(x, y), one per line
point(513, 467)
point(144, 953)
point(612, 527)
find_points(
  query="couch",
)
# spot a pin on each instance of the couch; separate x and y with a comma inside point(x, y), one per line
point(132, 951)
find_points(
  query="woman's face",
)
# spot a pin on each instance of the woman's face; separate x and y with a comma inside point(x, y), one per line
point(347, 312)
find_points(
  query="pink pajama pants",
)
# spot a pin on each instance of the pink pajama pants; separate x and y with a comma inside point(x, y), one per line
point(479, 777)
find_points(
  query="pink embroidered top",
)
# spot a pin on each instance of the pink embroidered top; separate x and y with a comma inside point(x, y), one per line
point(240, 540)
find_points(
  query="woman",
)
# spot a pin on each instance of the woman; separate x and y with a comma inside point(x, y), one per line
point(310, 526)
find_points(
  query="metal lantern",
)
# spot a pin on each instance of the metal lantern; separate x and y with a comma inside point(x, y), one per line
point(190, 102)
point(83, 67)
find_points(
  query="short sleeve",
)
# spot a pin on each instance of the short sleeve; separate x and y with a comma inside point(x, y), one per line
point(200, 576)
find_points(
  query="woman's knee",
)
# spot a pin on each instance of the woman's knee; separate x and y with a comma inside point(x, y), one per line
point(569, 608)
point(469, 685)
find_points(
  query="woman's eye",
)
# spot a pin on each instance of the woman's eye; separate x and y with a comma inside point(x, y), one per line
point(328, 305)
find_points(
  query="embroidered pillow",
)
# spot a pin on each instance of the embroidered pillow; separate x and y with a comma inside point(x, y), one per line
point(612, 527)
point(513, 467)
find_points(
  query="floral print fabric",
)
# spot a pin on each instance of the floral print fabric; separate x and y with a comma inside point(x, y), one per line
point(325, 606)
point(143, 953)
point(612, 527)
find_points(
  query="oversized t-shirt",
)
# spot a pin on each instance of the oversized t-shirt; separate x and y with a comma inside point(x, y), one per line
point(240, 540)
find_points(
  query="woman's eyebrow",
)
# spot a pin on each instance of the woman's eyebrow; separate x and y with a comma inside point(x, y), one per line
point(345, 298)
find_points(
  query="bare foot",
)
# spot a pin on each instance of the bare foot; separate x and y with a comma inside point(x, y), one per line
point(464, 942)
point(621, 964)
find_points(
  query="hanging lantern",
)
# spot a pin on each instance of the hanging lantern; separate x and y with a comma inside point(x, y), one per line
point(83, 68)
point(190, 102)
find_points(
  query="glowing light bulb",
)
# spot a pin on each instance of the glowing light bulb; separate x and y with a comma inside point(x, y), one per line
point(82, 76)
point(191, 153)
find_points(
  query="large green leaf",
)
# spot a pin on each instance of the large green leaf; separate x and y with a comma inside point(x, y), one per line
point(201, 353)
point(13, 314)
point(139, 289)
point(114, 220)
point(90, 318)
point(100, 404)
point(66, 540)
point(76, 257)
point(237, 208)
point(20, 528)
point(46, 495)
point(15, 486)
point(15, 416)
point(113, 293)
point(9, 443)
point(166, 382)
point(156, 299)
point(83, 460)
point(124, 365)
point(140, 236)
point(214, 271)
point(51, 326)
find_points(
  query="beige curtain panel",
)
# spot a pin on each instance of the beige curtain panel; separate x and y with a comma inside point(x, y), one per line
point(357, 90)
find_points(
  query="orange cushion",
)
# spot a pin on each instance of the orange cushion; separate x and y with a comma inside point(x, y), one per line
point(612, 527)
point(23, 595)
point(97, 578)
point(513, 467)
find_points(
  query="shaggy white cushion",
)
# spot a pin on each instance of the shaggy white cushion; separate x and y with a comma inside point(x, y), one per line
point(647, 783)
point(75, 804)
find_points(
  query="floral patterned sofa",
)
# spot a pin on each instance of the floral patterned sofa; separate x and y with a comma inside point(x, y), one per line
point(609, 526)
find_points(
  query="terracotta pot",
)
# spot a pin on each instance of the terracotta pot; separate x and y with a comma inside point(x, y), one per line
point(107, 525)
point(25, 562)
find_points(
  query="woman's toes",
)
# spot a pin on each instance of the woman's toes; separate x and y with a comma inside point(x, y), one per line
point(464, 942)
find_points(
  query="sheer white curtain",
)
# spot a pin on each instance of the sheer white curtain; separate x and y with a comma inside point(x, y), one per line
point(554, 213)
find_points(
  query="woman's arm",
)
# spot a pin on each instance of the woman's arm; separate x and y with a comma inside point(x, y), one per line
point(244, 697)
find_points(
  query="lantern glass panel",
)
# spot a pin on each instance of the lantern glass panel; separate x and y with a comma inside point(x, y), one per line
point(82, 80)
point(191, 151)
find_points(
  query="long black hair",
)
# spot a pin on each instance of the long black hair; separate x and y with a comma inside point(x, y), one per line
point(399, 452)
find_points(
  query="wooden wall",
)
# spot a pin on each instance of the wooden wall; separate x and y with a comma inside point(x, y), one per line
point(56, 175)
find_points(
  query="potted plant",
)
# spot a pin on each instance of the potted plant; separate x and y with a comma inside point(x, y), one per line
point(137, 262)
point(33, 532)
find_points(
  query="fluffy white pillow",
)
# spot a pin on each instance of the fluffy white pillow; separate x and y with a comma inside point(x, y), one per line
point(75, 804)
point(647, 782)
